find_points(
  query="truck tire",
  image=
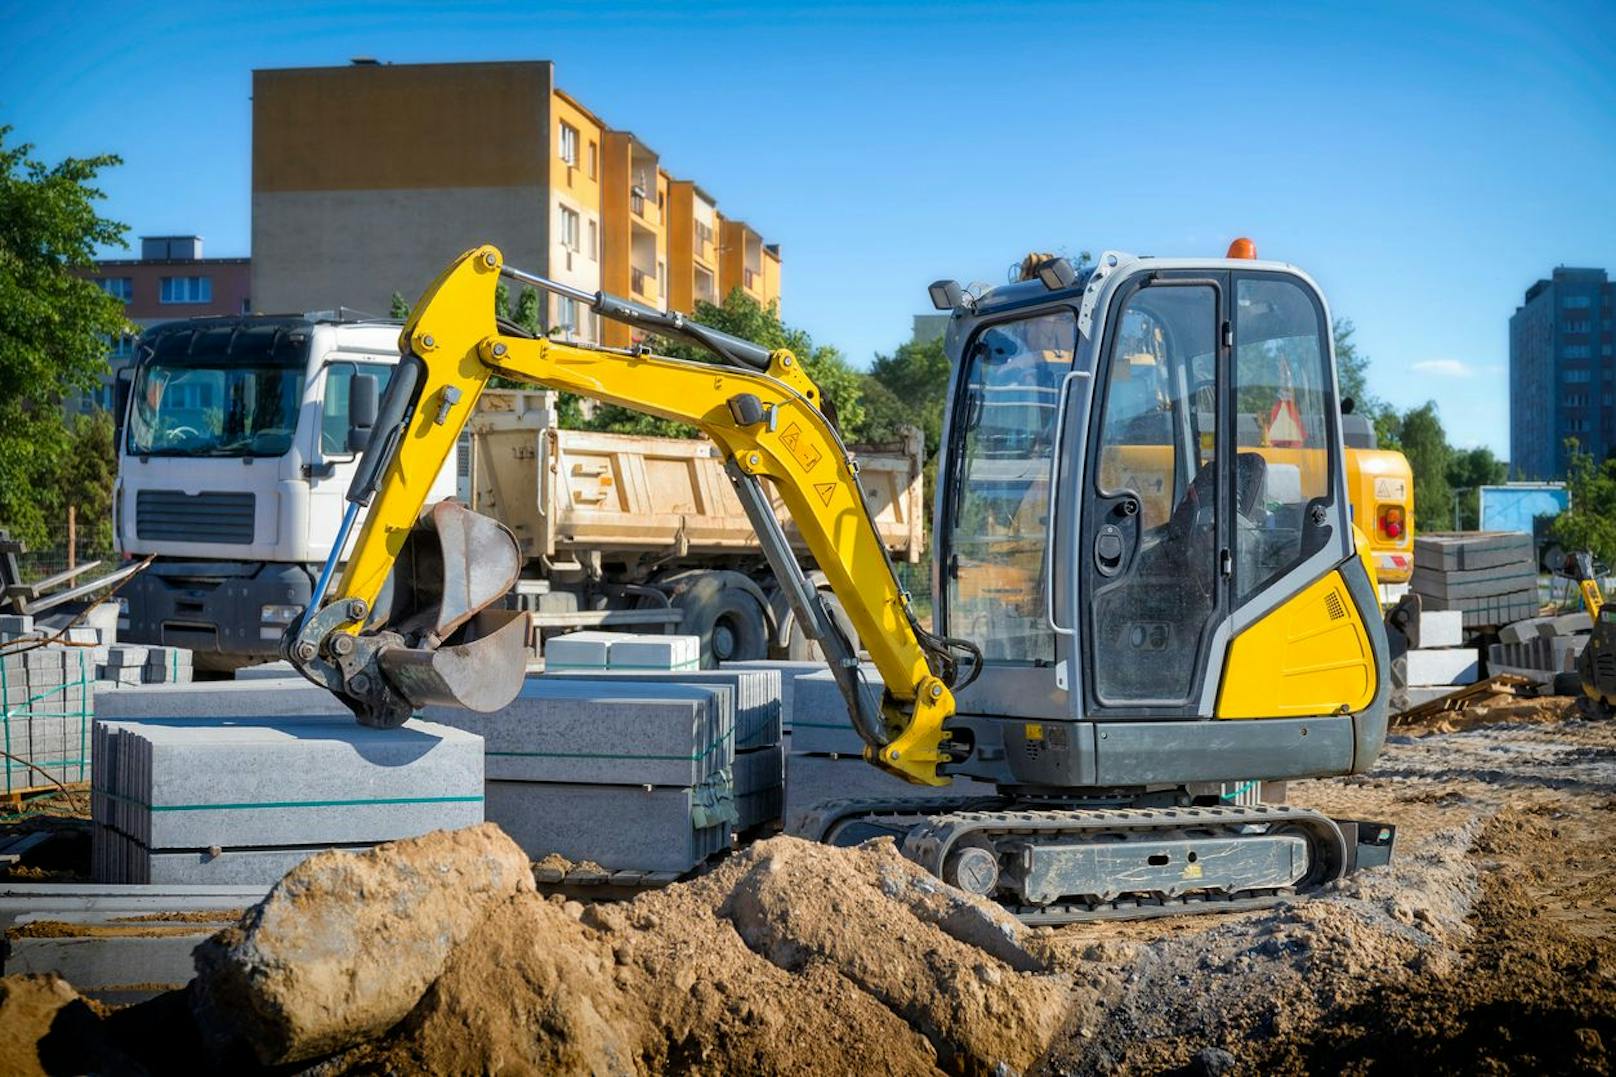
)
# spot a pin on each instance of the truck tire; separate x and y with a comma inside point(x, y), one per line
point(799, 647)
point(721, 609)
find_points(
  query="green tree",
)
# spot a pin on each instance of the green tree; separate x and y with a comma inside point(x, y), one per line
point(1469, 469)
point(529, 312)
point(1420, 436)
point(743, 316)
point(54, 324)
point(915, 376)
point(1590, 522)
point(1352, 371)
point(398, 307)
point(85, 478)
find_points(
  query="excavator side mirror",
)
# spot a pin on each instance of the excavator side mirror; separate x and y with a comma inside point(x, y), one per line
point(363, 394)
point(945, 294)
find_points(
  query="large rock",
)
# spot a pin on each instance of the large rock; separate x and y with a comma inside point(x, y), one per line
point(346, 944)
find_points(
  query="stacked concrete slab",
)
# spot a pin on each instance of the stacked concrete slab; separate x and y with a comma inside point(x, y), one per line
point(239, 801)
point(1489, 576)
point(48, 703)
point(621, 650)
point(126, 664)
point(789, 670)
point(626, 773)
point(260, 697)
point(1540, 647)
point(826, 755)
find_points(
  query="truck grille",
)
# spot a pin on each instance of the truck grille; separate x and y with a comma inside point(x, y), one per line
point(212, 516)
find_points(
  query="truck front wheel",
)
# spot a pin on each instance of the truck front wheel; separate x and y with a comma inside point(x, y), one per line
point(730, 621)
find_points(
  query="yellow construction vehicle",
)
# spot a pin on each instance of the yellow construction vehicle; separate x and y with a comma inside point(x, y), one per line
point(1594, 682)
point(1193, 613)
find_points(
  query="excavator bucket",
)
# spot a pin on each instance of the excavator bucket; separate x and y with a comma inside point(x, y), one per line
point(454, 565)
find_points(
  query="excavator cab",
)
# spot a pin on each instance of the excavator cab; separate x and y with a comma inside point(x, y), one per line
point(1142, 522)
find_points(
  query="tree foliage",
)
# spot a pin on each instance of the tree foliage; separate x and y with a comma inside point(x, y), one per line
point(912, 385)
point(1468, 470)
point(742, 316)
point(1418, 434)
point(54, 325)
point(1352, 371)
point(398, 307)
point(1590, 522)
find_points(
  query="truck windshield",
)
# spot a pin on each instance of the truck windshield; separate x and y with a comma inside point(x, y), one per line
point(217, 392)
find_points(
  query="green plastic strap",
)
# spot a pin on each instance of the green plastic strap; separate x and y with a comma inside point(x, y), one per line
point(1239, 789)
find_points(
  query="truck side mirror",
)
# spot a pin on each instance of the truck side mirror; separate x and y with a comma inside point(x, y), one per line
point(363, 394)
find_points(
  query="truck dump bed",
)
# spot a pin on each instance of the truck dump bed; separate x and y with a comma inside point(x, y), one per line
point(565, 490)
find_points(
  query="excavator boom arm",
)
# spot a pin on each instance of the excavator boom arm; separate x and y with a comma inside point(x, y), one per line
point(768, 425)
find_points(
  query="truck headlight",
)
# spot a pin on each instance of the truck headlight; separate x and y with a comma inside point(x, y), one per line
point(279, 615)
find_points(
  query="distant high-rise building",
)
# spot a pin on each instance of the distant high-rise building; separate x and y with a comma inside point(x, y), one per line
point(1560, 372)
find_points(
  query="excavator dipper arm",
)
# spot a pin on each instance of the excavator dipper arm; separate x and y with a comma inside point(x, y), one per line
point(765, 418)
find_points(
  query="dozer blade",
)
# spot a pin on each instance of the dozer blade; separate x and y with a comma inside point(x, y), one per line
point(482, 672)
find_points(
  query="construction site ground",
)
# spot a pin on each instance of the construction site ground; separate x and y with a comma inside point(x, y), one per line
point(1489, 946)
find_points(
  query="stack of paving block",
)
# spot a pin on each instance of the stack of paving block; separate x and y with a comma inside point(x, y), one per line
point(1437, 661)
point(826, 760)
point(235, 801)
point(621, 650)
point(1540, 647)
point(627, 773)
point(49, 706)
point(758, 777)
point(790, 670)
point(1489, 576)
point(131, 663)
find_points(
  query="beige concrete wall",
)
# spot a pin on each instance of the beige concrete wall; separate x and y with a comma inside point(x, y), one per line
point(315, 250)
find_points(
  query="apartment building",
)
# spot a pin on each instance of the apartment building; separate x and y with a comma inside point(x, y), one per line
point(368, 179)
point(1561, 372)
point(170, 280)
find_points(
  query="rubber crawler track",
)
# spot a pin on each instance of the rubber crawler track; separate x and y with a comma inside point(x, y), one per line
point(931, 828)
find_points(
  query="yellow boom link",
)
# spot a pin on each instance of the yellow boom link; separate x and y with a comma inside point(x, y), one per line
point(454, 331)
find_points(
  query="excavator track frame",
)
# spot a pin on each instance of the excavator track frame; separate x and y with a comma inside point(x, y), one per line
point(932, 829)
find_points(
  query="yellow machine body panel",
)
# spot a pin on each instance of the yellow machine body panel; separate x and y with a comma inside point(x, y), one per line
point(1308, 656)
point(1380, 485)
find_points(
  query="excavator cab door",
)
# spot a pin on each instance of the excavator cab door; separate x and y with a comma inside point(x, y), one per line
point(1154, 557)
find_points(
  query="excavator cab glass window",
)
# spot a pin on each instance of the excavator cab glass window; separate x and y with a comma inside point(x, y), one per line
point(1000, 486)
point(1282, 402)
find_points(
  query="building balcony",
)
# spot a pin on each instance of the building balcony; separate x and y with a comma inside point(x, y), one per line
point(642, 281)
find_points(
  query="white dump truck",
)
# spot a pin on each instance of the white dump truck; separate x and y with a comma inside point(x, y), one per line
point(239, 436)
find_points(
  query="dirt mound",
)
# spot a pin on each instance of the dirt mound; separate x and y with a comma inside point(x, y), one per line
point(790, 958)
point(45, 1027)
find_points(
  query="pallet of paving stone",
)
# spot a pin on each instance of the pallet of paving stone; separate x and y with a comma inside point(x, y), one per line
point(618, 827)
point(47, 707)
point(757, 695)
point(789, 670)
point(1459, 699)
point(759, 782)
point(1504, 580)
point(608, 731)
point(621, 650)
point(1469, 551)
point(242, 800)
point(822, 724)
point(1489, 611)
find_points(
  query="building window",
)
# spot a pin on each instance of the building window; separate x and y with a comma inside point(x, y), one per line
point(569, 144)
point(594, 240)
point(569, 229)
point(1574, 326)
point(186, 290)
point(1575, 351)
point(117, 287)
point(662, 279)
point(1576, 377)
point(1575, 302)
point(594, 159)
point(567, 315)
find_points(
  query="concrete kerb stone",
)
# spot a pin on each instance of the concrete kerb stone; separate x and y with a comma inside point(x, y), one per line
point(757, 695)
point(271, 783)
point(616, 827)
point(623, 733)
point(820, 722)
point(789, 671)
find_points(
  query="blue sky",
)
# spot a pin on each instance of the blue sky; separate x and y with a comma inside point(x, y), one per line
point(1424, 163)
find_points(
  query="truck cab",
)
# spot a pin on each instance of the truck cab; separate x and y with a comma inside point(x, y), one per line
point(237, 443)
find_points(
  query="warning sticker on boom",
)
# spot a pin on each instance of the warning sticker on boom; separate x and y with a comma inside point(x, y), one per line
point(825, 490)
point(806, 455)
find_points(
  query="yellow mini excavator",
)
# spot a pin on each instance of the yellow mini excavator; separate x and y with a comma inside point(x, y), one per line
point(1150, 602)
